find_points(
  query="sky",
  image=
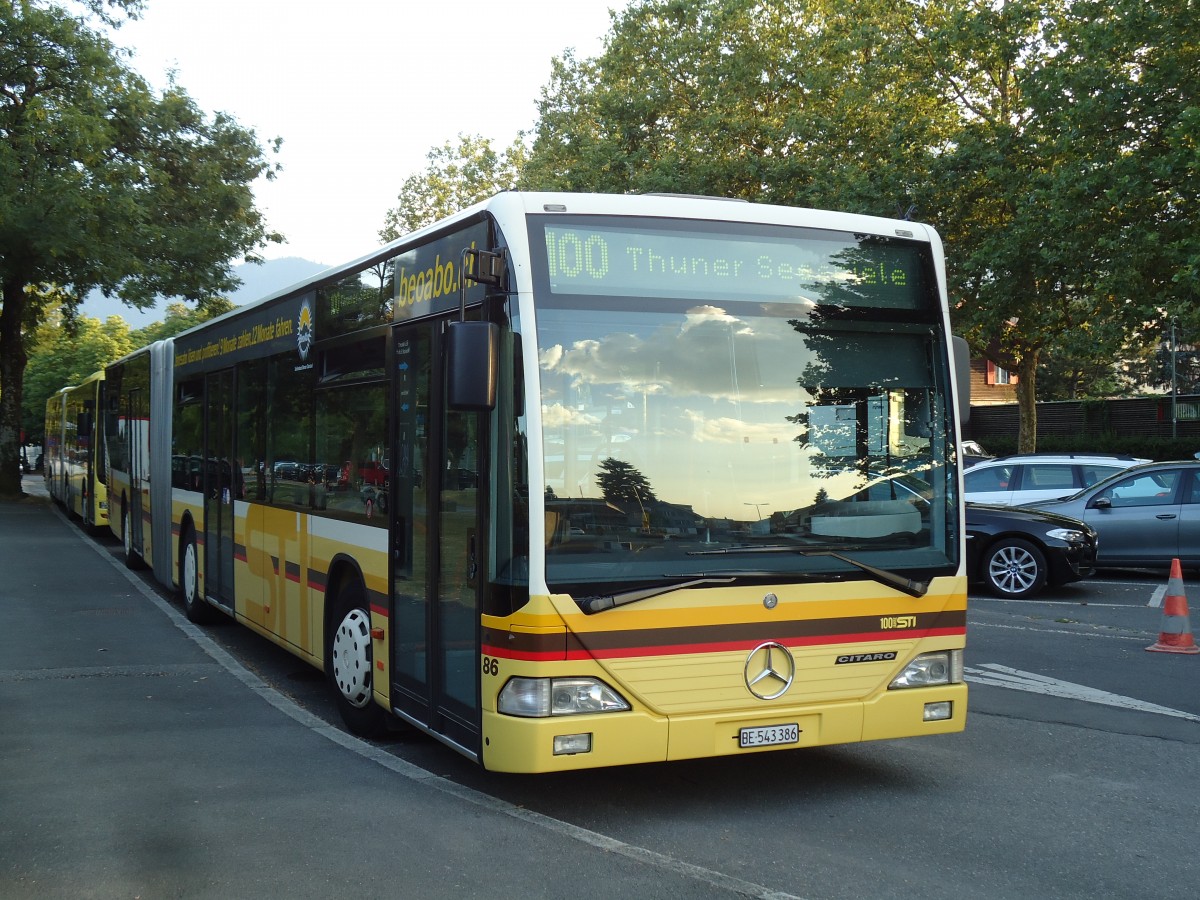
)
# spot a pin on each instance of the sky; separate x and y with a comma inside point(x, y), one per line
point(359, 90)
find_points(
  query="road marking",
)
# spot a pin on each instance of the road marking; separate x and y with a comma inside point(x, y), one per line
point(1142, 638)
point(1156, 599)
point(975, 601)
point(414, 772)
point(1003, 676)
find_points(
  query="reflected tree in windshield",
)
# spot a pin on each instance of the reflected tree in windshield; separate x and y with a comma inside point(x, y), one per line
point(621, 483)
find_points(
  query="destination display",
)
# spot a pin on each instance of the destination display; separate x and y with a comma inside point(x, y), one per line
point(784, 265)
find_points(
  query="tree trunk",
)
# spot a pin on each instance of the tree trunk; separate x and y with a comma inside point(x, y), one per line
point(1027, 402)
point(12, 388)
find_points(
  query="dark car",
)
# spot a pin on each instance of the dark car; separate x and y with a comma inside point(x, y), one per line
point(1146, 515)
point(1016, 552)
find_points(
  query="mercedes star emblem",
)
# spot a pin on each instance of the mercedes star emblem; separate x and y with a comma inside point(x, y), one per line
point(770, 670)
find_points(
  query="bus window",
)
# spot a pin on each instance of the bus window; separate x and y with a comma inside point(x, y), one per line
point(351, 433)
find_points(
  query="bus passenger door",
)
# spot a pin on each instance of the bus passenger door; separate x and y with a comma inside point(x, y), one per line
point(437, 552)
point(222, 478)
point(137, 429)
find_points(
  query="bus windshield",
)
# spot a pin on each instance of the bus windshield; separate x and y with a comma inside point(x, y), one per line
point(731, 399)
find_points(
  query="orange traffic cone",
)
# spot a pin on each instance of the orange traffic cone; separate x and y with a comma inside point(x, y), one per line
point(1176, 633)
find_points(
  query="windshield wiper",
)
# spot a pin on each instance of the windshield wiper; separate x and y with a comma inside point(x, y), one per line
point(608, 601)
point(883, 576)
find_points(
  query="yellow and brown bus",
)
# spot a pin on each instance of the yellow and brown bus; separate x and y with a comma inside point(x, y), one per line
point(75, 469)
point(578, 480)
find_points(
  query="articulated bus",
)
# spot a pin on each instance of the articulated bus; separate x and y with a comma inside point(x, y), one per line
point(570, 481)
point(73, 456)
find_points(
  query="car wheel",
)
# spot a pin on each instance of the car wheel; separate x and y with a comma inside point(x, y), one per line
point(351, 664)
point(1014, 568)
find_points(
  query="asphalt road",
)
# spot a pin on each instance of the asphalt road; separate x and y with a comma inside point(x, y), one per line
point(142, 757)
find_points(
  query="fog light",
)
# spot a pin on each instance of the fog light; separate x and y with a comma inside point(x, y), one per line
point(568, 744)
point(936, 712)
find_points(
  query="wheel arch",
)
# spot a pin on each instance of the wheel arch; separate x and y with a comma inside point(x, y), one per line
point(991, 540)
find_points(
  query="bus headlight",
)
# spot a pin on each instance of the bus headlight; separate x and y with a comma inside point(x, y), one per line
point(543, 697)
point(929, 669)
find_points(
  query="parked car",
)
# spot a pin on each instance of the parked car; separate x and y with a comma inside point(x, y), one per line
point(1023, 478)
point(375, 472)
point(1145, 516)
point(1016, 552)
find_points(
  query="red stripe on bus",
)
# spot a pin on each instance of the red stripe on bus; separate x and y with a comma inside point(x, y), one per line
point(715, 647)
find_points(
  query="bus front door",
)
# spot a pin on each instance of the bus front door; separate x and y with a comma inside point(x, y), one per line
point(222, 478)
point(436, 546)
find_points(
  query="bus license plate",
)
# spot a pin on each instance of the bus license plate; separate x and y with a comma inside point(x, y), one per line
point(769, 735)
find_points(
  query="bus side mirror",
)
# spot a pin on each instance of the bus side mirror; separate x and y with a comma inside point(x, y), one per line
point(472, 364)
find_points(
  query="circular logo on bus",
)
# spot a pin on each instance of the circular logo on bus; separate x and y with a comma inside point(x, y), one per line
point(304, 330)
point(770, 670)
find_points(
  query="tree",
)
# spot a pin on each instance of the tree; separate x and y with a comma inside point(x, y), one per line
point(456, 177)
point(772, 100)
point(1051, 142)
point(179, 318)
point(105, 184)
point(620, 482)
point(1066, 195)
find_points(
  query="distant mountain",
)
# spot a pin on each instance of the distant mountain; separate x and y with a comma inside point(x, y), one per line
point(271, 276)
point(257, 281)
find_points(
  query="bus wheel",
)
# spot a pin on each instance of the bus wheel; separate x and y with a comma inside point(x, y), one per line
point(350, 664)
point(194, 606)
point(132, 561)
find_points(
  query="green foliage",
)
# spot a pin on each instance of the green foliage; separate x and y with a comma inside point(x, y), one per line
point(179, 318)
point(457, 176)
point(1065, 200)
point(106, 185)
point(771, 100)
point(1053, 143)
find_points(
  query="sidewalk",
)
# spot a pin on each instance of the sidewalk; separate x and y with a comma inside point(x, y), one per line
point(135, 763)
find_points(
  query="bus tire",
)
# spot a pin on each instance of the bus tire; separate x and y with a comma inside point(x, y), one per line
point(351, 663)
point(194, 606)
point(132, 560)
